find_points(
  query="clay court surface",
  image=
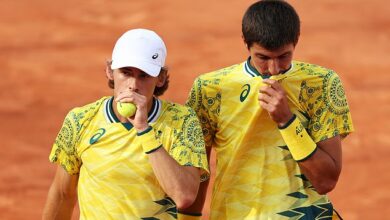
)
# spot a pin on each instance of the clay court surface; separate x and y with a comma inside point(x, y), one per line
point(52, 56)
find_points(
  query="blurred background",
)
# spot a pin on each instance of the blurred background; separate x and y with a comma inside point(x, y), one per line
point(52, 58)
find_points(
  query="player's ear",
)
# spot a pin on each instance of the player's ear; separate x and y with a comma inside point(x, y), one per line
point(109, 71)
point(162, 77)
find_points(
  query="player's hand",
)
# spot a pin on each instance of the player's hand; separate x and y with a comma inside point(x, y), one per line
point(140, 119)
point(273, 99)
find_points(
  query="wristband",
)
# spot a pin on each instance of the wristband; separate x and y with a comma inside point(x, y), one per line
point(189, 216)
point(149, 141)
point(298, 141)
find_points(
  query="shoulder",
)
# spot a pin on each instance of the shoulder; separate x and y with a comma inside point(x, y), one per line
point(177, 114)
point(211, 84)
point(87, 112)
point(318, 75)
point(312, 70)
point(181, 118)
point(172, 108)
point(321, 89)
point(313, 78)
point(216, 76)
point(90, 106)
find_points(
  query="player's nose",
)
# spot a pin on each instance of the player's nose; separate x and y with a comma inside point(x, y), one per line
point(132, 84)
point(273, 67)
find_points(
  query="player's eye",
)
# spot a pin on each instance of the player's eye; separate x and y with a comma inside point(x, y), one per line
point(264, 58)
point(126, 73)
point(285, 56)
point(143, 75)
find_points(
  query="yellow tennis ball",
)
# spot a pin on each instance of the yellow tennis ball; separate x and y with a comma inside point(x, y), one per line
point(126, 109)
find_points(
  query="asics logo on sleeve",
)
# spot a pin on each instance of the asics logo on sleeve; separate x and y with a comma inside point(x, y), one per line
point(245, 92)
point(99, 133)
point(155, 56)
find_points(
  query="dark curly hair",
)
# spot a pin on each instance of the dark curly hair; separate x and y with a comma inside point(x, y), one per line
point(271, 24)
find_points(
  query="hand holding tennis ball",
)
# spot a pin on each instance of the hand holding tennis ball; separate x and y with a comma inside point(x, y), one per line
point(126, 109)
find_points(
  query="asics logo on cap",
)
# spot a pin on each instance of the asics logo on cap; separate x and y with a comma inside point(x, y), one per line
point(155, 56)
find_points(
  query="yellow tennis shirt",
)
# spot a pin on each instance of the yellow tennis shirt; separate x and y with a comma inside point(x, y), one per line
point(116, 180)
point(256, 176)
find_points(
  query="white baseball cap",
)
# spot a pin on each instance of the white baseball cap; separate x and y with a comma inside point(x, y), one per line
point(140, 48)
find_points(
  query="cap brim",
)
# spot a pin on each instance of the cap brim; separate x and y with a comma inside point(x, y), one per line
point(149, 68)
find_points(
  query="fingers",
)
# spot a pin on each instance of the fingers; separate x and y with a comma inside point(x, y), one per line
point(271, 96)
point(131, 96)
point(273, 84)
point(268, 107)
point(139, 120)
point(272, 92)
point(265, 95)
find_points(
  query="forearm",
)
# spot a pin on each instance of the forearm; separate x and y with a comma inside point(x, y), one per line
point(322, 171)
point(320, 162)
point(181, 183)
point(58, 206)
point(197, 206)
point(62, 196)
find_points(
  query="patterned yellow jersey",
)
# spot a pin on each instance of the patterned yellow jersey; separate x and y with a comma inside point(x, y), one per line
point(116, 180)
point(256, 176)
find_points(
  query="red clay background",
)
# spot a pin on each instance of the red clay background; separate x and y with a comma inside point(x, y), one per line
point(52, 56)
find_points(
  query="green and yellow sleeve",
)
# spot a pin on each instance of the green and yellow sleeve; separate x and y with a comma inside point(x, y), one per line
point(64, 148)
